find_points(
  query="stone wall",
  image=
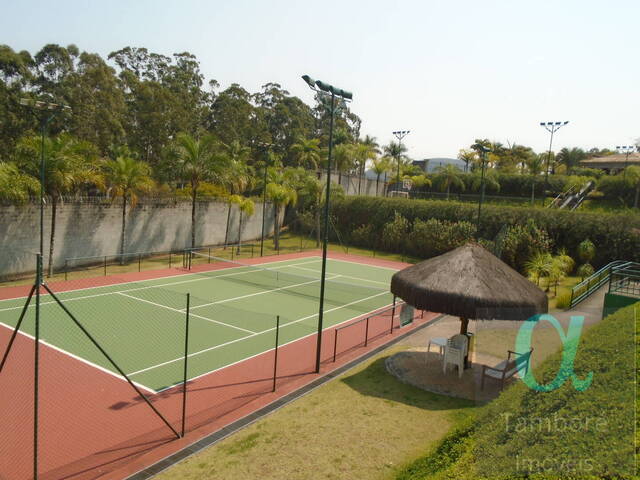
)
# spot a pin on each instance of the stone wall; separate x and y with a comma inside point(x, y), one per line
point(85, 229)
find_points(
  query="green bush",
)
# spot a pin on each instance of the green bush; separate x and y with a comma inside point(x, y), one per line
point(521, 242)
point(435, 237)
point(604, 413)
point(394, 233)
point(616, 188)
point(563, 300)
point(616, 237)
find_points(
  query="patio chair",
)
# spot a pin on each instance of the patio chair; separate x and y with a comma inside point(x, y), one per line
point(507, 368)
point(455, 352)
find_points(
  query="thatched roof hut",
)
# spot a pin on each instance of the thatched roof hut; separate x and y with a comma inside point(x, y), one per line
point(471, 283)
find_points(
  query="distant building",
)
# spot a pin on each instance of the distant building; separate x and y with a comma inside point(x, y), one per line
point(429, 165)
point(612, 164)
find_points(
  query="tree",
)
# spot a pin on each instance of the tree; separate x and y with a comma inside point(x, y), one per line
point(380, 165)
point(571, 158)
point(238, 176)
point(534, 164)
point(362, 152)
point(396, 150)
point(491, 181)
point(632, 176)
point(448, 176)
point(539, 266)
point(469, 157)
point(15, 186)
point(281, 196)
point(247, 208)
point(307, 152)
point(586, 252)
point(312, 195)
point(127, 178)
point(195, 161)
point(69, 164)
point(343, 158)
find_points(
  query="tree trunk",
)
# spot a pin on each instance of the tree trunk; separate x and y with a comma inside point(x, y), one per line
point(377, 183)
point(276, 229)
point(318, 226)
point(448, 190)
point(533, 192)
point(360, 180)
point(226, 231)
point(340, 177)
point(194, 194)
point(124, 225)
point(240, 232)
point(54, 207)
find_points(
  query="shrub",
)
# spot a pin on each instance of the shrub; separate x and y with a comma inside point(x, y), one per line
point(563, 300)
point(435, 237)
point(394, 233)
point(521, 242)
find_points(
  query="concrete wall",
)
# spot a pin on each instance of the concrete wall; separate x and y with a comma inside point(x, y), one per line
point(355, 185)
point(84, 229)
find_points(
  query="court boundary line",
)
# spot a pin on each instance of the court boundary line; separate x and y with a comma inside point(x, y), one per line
point(80, 359)
point(345, 276)
point(215, 347)
point(166, 276)
point(132, 289)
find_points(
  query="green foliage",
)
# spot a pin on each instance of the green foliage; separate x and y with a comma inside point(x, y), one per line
point(394, 233)
point(585, 270)
point(521, 242)
point(432, 237)
point(563, 300)
point(513, 426)
point(586, 251)
point(16, 187)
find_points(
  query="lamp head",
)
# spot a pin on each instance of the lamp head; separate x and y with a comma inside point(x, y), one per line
point(310, 81)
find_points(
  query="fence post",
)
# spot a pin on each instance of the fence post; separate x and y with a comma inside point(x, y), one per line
point(139, 261)
point(366, 332)
point(169, 258)
point(209, 256)
point(275, 358)
point(186, 357)
point(252, 250)
point(335, 344)
point(66, 269)
point(393, 313)
point(105, 265)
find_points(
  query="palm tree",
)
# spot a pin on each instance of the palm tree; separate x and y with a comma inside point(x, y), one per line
point(362, 152)
point(448, 176)
point(538, 266)
point(312, 190)
point(632, 175)
point(379, 166)
point(396, 150)
point(69, 163)
point(469, 157)
point(281, 195)
point(248, 208)
point(196, 161)
point(571, 158)
point(307, 152)
point(126, 178)
point(343, 157)
point(534, 164)
point(15, 186)
point(238, 178)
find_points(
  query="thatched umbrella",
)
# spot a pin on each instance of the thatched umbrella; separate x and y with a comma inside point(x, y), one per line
point(471, 283)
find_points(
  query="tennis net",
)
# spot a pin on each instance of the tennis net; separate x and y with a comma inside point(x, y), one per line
point(337, 292)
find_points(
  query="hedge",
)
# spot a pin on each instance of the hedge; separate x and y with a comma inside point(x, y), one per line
point(361, 221)
point(586, 435)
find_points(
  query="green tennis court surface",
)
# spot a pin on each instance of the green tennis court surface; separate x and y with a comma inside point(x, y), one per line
point(232, 315)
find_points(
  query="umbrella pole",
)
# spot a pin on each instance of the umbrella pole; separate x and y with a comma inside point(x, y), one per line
point(464, 326)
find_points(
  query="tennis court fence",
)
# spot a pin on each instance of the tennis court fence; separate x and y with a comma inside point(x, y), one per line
point(92, 377)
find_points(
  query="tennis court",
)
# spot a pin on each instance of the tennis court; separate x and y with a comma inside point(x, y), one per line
point(232, 314)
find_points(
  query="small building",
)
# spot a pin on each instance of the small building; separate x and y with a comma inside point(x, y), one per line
point(612, 164)
point(429, 165)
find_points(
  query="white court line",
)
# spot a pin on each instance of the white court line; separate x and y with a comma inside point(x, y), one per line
point(162, 278)
point(256, 293)
point(145, 288)
point(365, 264)
point(80, 359)
point(342, 275)
point(180, 311)
point(253, 335)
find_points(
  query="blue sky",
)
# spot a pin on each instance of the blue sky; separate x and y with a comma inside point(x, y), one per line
point(449, 71)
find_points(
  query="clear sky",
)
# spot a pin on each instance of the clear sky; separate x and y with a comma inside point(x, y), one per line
point(449, 71)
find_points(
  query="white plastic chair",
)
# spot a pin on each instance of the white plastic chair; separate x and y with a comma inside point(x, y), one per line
point(454, 353)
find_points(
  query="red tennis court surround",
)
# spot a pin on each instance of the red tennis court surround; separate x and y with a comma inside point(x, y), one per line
point(93, 425)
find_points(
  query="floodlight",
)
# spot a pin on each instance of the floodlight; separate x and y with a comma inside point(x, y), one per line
point(310, 81)
point(325, 87)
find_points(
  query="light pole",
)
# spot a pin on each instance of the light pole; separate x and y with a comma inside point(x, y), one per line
point(484, 151)
point(265, 148)
point(325, 89)
point(551, 127)
point(400, 134)
point(50, 110)
point(626, 149)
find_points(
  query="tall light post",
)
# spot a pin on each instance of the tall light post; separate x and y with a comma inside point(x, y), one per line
point(50, 111)
point(328, 90)
point(400, 134)
point(551, 127)
point(265, 148)
point(626, 149)
point(484, 151)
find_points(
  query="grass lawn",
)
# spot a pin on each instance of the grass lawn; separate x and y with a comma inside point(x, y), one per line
point(365, 424)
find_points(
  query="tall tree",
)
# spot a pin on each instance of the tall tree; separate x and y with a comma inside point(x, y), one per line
point(127, 178)
point(448, 176)
point(362, 152)
point(15, 186)
point(397, 151)
point(247, 208)
point(307, 152)
point(196, 161)
point(380, 165)
point(281, 196)
point(68, 165)
point(571, 158)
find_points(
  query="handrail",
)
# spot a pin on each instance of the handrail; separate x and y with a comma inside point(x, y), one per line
point(592, 283)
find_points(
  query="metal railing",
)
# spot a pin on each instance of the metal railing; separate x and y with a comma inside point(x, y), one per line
point(625, 280)
point(592, 283)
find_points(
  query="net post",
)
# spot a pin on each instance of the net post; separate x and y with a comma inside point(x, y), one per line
point(105, 265)
point(36, 367)
point(139, 261)
point(66, 269)
point(393, 314)
point(209, 255)
point(335, 344)
point(186, 358)
point(275, 358)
